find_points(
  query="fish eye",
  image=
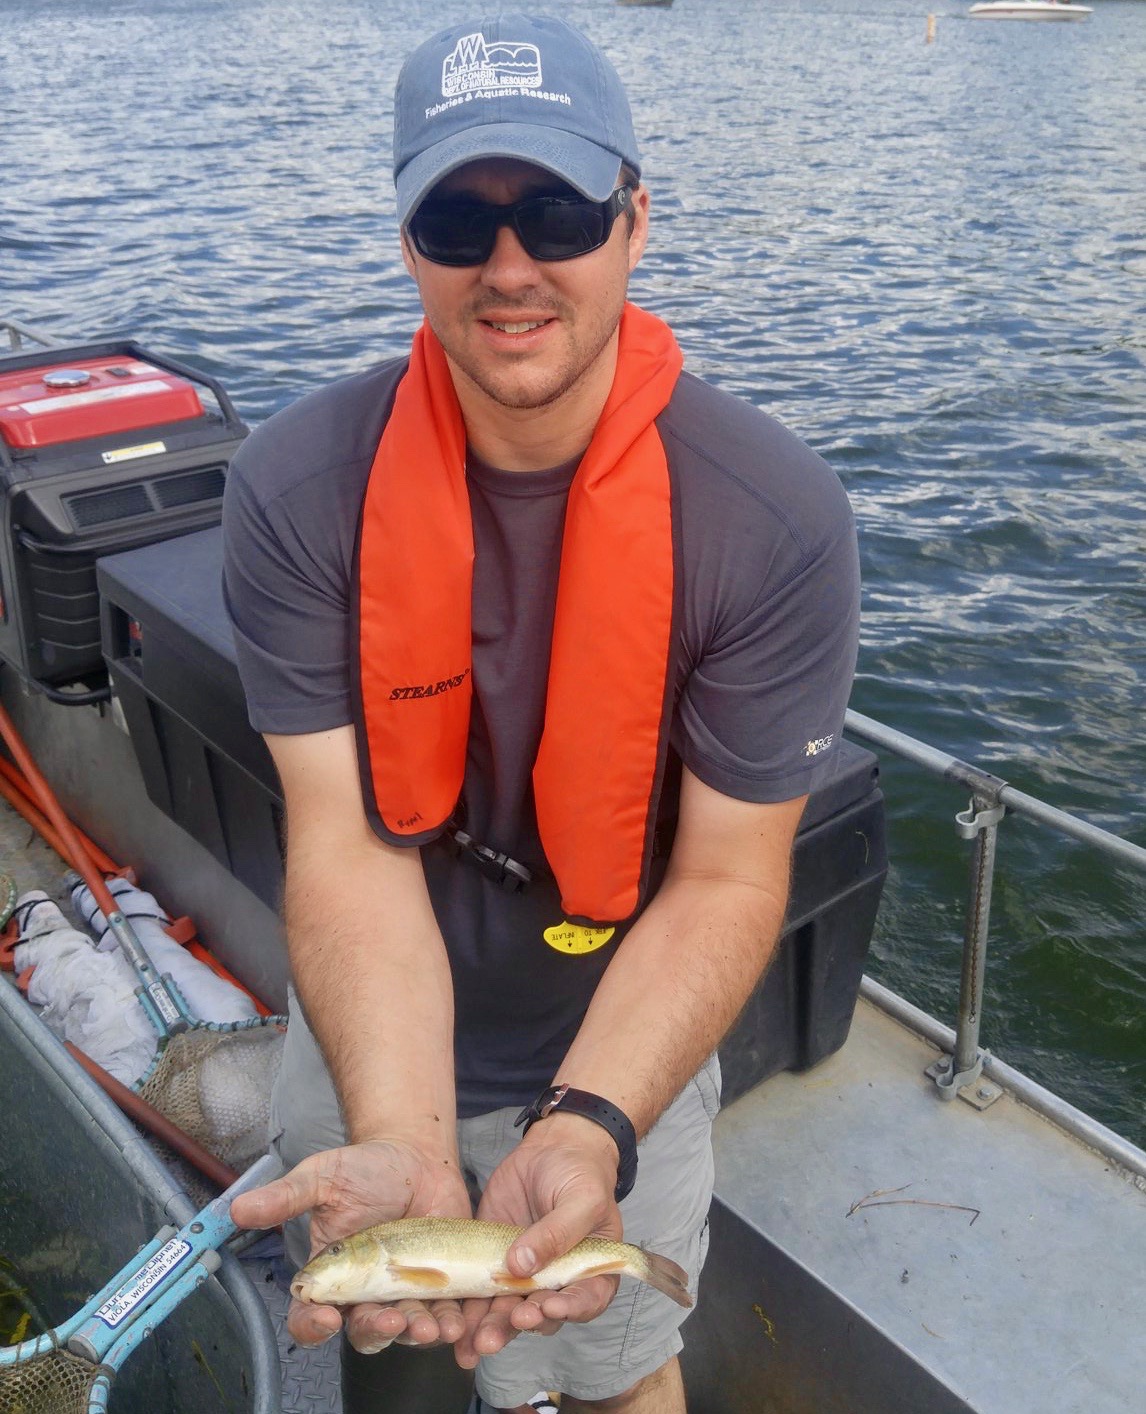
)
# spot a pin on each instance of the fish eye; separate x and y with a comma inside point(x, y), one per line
point(335, 1248)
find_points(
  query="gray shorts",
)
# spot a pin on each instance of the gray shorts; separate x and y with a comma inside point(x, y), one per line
point(667, 1212)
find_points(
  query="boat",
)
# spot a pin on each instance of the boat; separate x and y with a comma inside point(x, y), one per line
point(1029, 10)
point(903, 1223)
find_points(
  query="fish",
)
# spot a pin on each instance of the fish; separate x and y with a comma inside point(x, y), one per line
point(429, 1258)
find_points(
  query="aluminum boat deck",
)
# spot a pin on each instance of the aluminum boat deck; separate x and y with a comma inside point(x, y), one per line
point(933, 1256)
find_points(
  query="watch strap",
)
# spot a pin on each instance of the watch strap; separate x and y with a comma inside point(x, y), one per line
point(602, 1112)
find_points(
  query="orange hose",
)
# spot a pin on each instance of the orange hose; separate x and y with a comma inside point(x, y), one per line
point(23, 785)
point(73, 851)
point(36, 818)
point(9, 774)
point(157, 1123)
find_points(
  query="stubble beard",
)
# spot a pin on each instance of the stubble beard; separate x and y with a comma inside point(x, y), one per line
point(509, 389)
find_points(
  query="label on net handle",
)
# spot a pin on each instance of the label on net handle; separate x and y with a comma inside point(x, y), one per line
point(116, 1309)
point(169, 1014)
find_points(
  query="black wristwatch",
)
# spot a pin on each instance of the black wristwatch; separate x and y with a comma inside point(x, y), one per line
point(608, 1116)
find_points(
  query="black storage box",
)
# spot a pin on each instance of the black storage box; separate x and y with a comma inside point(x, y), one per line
point(171, 657)
point(103, 446)
point(802, 1010)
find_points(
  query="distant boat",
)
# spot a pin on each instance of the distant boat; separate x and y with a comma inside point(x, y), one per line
point(1025, 10)
point(660, 4)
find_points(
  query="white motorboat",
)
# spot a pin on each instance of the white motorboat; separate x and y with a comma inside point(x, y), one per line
point(1029, 10)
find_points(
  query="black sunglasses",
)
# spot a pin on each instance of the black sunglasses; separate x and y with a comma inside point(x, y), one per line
point(461, 230)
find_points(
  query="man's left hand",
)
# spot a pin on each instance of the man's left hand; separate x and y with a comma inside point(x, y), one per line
point(558, 1184)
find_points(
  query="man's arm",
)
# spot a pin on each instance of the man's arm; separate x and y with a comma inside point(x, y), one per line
point(678, 982)
point(366, 955)
point(688, 965)
point(370, 969)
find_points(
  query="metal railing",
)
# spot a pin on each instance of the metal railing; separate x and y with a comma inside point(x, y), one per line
point(19, 334)
point(992, 799)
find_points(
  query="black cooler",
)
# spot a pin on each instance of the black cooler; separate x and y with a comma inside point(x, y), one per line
point(171, 658)
point(102, 446)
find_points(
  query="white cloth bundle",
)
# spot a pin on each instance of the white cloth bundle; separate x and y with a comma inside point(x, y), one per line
point(208, 996)
point(87, 997)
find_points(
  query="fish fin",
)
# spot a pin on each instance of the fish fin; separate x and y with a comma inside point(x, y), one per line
point(668, 1278)
point(513, 1283)
point(603, 1269)
point(429, 1277)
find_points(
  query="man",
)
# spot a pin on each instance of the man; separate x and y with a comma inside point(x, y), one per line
point(549, 642)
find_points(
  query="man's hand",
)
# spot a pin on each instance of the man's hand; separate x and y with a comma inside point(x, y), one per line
point(345, 1190)
point(558, 1184)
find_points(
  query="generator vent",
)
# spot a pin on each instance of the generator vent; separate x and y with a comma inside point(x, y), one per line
point(118, 503)
point(186, 487)
point(141, 498)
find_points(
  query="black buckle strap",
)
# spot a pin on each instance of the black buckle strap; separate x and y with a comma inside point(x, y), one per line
point(507, 873)
point(601, 1112)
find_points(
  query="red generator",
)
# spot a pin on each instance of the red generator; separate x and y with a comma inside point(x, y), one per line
point(103, 447)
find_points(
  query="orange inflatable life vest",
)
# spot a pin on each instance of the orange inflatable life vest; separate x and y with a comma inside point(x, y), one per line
point(598, 770)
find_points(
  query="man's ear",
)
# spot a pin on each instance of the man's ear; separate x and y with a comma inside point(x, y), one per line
point(639, 235)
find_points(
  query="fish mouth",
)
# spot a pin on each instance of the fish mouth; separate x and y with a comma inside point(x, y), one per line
point(301, 1288)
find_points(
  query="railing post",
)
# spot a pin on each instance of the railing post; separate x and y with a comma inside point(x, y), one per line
point(980, 824)
point(19, 333)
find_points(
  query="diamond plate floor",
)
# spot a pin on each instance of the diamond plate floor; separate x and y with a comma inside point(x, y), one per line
point(311, 1376)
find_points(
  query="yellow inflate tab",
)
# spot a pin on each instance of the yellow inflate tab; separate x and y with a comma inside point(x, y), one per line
point(576, 938)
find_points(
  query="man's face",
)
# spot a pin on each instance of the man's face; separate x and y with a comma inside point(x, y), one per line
point(524, 332)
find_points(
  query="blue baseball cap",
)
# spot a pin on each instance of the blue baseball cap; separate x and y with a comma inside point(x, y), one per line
point(524, 86)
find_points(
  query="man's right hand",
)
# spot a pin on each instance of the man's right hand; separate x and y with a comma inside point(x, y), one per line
point(345, 1190)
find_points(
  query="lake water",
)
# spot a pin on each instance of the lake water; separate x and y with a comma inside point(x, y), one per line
point(928, 259)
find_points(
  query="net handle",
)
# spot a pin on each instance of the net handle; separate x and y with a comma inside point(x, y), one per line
point(169, 1264)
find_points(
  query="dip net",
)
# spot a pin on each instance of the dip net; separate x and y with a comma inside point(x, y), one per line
point(215, 1084)
point(212, 1079)
point(56, 1382)
point(216, 1060)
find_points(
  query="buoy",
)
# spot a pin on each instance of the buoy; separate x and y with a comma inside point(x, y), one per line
point(930, 29)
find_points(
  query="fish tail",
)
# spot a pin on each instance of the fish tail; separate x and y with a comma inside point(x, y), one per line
point(667, 1277)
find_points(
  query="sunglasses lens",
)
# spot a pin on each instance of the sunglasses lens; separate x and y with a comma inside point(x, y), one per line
point(560, 230)
point(453, 232)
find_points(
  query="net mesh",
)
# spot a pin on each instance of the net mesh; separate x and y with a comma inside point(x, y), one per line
point(54, 1383)
point(216, 1086)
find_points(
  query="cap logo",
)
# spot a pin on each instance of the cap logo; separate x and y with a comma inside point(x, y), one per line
point(475, 65)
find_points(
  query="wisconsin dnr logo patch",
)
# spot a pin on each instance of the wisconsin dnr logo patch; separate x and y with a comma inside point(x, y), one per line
point(474, 65)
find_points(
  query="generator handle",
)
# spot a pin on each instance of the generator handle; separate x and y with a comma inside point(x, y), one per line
point(234, 422)
point(115, 348)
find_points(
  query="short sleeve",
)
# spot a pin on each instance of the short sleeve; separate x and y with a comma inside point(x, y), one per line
point(762, 711)
point(291, 631)
point(290, 518)
point(770, 621)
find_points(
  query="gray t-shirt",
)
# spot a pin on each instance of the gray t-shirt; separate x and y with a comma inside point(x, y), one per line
point(764, 662)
